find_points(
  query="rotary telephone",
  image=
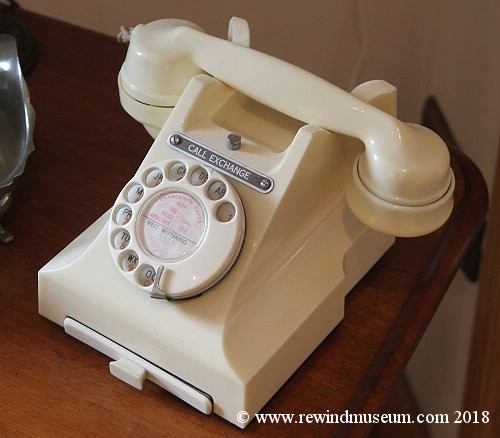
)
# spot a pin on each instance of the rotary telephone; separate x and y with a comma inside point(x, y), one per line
point(266, 195)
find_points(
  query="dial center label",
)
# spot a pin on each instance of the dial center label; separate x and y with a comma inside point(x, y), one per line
point(172, 226)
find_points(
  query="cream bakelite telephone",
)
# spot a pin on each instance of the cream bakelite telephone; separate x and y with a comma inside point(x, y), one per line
point(266, 195)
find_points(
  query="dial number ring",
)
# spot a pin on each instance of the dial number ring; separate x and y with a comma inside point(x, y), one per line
point(169, 214)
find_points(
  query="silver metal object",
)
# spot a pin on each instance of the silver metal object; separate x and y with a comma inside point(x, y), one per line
point(175, 139)
point(233, 141)
point(17, 119)
point(265, 184)
point(157, 292)
point(223, 163)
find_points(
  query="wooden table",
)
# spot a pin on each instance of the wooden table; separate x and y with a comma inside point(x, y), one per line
point(86, 150)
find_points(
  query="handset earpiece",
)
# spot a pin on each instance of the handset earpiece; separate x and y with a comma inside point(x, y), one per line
point(401, 185)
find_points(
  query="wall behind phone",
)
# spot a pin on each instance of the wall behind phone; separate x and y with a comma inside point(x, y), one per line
point(445, 48)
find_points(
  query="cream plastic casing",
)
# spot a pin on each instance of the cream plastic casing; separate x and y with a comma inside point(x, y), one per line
point(303, 251)
point(230, 349)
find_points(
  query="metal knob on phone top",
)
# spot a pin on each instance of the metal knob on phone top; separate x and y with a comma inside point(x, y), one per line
point(16, 125)
point(233, 141)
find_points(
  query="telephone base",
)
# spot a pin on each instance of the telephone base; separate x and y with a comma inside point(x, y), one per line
point(208, 383)
point(275, 271)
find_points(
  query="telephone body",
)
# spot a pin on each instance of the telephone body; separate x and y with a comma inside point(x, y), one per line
point(226, 258)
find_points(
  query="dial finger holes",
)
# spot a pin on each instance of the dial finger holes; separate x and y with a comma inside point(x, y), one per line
point(176, 171)
point(129, 261)
point(199, 176)
point(146, 275)
point(121, 239)
point(217, 190)
point(225, 212)
point(154, 177)
point(171, 211)
point(123, 215)
point(135, 193)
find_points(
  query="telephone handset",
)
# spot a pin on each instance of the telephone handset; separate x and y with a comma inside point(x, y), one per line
point(266, 195)
point(403, 175)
